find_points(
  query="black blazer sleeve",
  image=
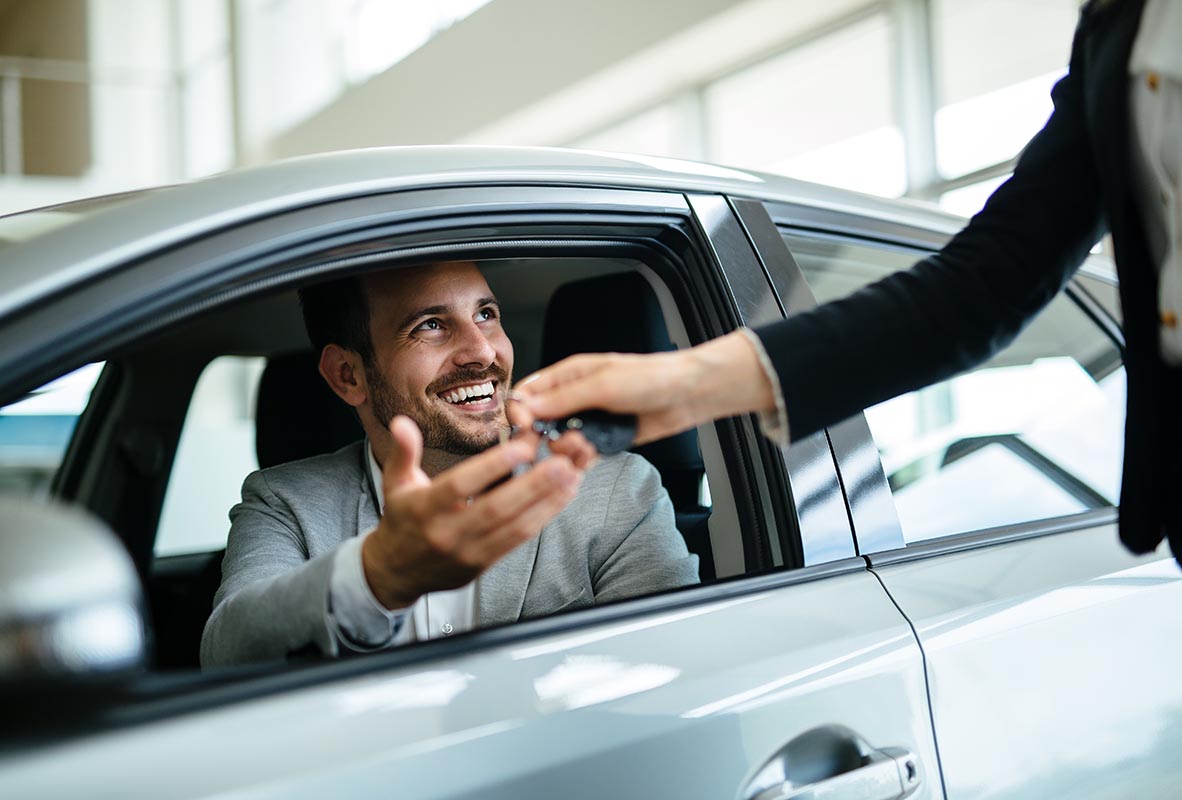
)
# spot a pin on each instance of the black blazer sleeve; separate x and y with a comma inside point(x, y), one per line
point(953, 310)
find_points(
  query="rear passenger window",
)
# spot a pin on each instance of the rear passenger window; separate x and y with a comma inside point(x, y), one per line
point(1035, 432)
point(216, 452)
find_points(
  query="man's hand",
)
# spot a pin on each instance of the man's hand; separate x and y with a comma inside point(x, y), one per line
point(441, 533)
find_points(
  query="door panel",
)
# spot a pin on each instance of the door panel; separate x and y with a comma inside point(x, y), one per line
point(677, 703)
point(1053, 665)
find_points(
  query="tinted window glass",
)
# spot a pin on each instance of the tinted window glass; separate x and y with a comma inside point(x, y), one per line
point(1035, 432)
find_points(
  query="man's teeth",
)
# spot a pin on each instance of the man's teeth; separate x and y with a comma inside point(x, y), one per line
point(465, 393)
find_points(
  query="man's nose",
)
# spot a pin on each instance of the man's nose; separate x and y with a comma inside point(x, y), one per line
point(474, 347)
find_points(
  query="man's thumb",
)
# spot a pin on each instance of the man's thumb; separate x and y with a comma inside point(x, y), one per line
point(403, 464)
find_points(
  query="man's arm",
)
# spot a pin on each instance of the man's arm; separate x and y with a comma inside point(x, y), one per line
point(273, 600)
point(436, 533)
point(647, 553)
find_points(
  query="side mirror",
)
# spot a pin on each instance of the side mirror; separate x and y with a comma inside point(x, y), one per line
point(70, 598)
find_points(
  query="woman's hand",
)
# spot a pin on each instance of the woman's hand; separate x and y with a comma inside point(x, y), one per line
point(668, 392)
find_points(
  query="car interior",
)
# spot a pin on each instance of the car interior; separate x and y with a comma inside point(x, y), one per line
point(120, 463)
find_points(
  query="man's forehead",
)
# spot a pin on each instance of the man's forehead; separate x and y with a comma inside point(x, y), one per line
point(430, 284)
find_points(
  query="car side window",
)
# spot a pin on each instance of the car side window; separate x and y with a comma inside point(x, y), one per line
point(215, 453)
point(35, 431)
point(1035, 432)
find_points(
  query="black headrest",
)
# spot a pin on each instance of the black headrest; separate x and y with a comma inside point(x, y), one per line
point(297, 415)
point(616, 313)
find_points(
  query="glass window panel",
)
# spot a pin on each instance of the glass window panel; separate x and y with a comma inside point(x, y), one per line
point(1035, 432)
point(215, 454)
point(35, 431)
point(823, 111)
point(995, 63)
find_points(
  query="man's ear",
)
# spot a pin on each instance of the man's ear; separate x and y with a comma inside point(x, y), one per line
point(341, 369)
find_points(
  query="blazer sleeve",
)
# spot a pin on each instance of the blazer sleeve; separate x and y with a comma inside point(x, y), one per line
point(273, 600)
point(649, 554)
point(953, 310)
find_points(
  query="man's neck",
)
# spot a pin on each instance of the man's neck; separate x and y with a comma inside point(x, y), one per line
point(436, 461)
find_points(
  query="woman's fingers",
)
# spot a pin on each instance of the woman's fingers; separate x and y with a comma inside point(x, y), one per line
point(656, 388)
point(573, 384)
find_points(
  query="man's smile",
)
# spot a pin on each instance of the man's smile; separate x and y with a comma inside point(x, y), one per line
point(472, 397)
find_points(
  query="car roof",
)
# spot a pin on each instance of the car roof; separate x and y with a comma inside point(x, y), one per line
point(138, 225)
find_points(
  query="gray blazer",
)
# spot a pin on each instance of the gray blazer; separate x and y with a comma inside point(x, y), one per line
point(616, 539)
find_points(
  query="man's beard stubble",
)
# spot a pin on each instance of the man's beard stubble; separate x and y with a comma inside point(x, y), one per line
point(439, 430)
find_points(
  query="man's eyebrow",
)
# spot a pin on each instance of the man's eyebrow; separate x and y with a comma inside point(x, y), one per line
point(431, 311)
point(426, 311)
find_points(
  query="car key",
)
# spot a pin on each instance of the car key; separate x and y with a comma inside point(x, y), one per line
point(608, 433)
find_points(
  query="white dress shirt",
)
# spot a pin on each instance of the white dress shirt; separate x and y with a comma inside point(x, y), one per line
point(368, 625)
point(1155, 102)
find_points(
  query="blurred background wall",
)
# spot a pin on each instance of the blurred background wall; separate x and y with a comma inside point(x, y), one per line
point(930, 99)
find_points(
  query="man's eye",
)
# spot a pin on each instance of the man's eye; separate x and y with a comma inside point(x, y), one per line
point(430, 325)
point(486, 314)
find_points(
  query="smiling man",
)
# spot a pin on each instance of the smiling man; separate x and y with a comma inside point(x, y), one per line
point(420, 530)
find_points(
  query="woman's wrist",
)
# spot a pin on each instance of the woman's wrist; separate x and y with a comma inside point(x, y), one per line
point(727, 378)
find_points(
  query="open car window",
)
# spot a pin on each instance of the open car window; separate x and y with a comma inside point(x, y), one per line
point(246, 394)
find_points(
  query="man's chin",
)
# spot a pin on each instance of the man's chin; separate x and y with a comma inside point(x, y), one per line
point(467, 436)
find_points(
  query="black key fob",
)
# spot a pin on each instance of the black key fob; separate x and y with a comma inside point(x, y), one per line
point(608, 433)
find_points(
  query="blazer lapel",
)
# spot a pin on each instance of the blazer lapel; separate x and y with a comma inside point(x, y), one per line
point(1111, 33)
point(500, 592)
point(1110, 41)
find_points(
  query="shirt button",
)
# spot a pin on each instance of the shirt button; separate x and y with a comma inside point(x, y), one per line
point(1152, 80)
point(447, 628)
point(1169, 319)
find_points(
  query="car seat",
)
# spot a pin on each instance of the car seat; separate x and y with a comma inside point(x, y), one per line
point(620, 313)
point(297, 415)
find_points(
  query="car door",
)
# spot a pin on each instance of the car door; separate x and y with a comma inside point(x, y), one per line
point(1048, 646)
point(795, 669)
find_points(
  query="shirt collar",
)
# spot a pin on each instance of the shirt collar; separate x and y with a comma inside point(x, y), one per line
point(375, 475)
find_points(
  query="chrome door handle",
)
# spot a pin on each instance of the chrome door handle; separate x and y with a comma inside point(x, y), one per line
point(834, 763)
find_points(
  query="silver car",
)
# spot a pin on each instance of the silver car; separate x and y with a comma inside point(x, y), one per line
point(927, 600)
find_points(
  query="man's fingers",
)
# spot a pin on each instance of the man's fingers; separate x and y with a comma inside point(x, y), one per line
point(472, 476)
point(507, 501)
point(517, 511)
point(575, 446)
point(403, 464)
